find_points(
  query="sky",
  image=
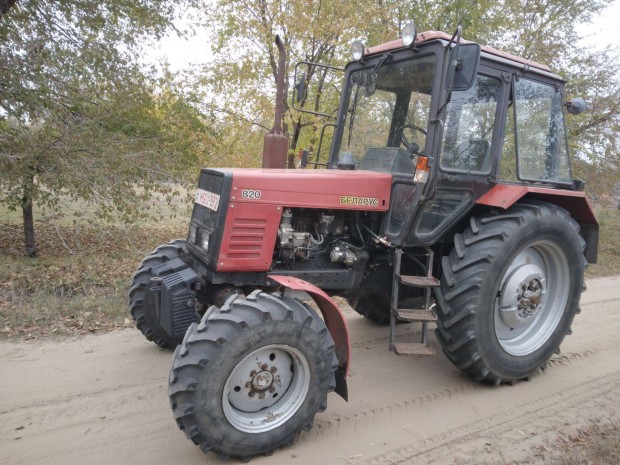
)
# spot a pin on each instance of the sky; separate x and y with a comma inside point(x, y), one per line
point(181, 53)
point(604, 29)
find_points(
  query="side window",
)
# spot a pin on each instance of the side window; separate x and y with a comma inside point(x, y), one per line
point(542, 153)
point(469, 127)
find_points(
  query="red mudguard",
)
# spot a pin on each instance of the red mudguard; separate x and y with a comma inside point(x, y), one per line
point(505, 195)
point(334, 320)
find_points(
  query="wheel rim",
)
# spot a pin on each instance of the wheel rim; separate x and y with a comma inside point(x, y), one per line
point(266, 388)
point(531, 299)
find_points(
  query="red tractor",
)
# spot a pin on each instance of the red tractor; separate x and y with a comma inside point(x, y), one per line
point(447, 198)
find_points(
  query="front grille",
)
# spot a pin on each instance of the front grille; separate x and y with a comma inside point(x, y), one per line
point(211, 181)
point(208, 221)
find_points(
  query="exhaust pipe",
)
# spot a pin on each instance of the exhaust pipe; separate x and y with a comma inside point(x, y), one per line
point(275, 147)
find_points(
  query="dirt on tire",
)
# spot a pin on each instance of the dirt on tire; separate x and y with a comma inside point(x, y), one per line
point(103, 399)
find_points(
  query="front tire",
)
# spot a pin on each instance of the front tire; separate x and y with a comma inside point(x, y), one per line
point(510, 290)
point(252, 375)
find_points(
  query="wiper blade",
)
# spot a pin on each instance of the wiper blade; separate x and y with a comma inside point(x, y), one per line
point(358, 92)
point(383, 59)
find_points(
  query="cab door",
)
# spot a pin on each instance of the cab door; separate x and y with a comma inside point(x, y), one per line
point(467, 152)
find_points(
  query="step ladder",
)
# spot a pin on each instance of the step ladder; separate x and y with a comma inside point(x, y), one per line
point(422, 315)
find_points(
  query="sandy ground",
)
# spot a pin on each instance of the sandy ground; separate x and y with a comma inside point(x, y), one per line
point(102, 400)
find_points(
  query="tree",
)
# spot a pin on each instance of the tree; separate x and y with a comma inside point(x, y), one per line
point(240, 87)
point(321, 30)
point(79, 117)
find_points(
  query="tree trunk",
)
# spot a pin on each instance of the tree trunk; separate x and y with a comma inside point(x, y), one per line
point(28, 219)
point(5, 5)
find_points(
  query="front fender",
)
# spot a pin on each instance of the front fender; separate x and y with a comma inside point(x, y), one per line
point(335, 322)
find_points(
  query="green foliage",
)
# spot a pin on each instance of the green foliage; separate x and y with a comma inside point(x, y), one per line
point(80, 118)
point(239, 84)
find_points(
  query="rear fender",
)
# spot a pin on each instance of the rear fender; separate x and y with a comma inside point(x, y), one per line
point(575, 202)
point(334, 320)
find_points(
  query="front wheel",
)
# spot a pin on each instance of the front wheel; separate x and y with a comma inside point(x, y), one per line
point(252, 375)
point(510, 290)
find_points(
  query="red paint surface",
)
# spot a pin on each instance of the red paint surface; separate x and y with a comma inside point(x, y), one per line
point(505, 195)
point(433, 35)
point(249, 237)
point(252, 224)
point(312, 188)
point(334, 320)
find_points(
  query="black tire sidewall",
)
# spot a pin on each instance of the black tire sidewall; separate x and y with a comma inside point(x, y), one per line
point(551, 229)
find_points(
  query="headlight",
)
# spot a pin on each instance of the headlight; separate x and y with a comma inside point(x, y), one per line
point(409, 33)
point(191, 237)
point(205, 241)
point(357, 50)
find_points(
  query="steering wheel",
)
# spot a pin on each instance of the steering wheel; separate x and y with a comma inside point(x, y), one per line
point(412, 147)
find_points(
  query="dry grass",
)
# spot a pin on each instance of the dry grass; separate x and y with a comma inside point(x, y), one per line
point(79, 284)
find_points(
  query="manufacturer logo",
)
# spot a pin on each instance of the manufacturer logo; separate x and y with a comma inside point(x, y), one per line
point(361, 201)
point(250, 194)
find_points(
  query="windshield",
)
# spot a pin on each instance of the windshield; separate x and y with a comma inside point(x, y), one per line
point(387, 99)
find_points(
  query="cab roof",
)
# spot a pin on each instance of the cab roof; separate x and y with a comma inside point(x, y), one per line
point(429, 36)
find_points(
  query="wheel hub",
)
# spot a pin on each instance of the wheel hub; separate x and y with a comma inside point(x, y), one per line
point(264, 381)
point(266, 388)
point(529, 300)
point(260, 380)
point(522, 296)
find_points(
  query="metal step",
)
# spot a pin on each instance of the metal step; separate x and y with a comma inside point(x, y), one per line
point(410, 314)
point(418, 281)
point(412, 348)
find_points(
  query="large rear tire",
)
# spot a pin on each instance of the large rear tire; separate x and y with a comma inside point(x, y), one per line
point(144, 315)
point(252, 375)
point(510, 290)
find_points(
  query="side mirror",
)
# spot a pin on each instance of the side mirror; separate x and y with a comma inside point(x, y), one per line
point(463, 66)
point(576, 106)
point(316, 87)
point(300, 89)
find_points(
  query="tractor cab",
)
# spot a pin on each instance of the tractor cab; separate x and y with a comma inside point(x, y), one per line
point(449, 120)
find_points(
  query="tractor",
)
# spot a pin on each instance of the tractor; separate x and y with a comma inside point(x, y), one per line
point(447, 199)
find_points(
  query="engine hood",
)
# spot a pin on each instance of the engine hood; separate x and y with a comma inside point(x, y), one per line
point(325, 189)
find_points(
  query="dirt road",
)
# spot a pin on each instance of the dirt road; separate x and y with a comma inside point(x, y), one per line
point(102, 400)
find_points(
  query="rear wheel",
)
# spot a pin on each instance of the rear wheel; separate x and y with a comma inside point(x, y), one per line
point(374, 307)
point(144, 315)
point(252, 375)
point(510, 290)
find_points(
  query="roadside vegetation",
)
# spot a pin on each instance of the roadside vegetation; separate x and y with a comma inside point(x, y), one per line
point(78, 284)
